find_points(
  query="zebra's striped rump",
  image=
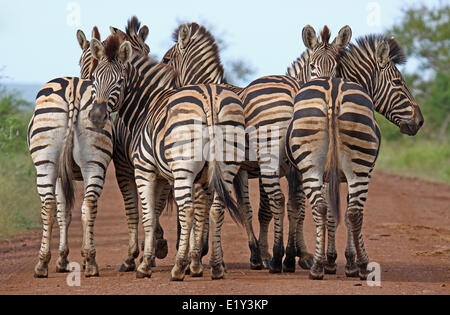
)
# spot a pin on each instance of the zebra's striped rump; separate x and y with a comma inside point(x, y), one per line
point(334, 132)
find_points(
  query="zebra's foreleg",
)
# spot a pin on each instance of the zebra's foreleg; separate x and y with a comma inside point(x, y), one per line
point(128, 189)
point(148, 189)
point(64, 217)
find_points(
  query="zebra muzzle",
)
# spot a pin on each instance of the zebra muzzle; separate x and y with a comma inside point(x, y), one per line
point(99, 115)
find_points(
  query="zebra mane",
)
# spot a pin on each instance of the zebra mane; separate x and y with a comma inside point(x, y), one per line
point(366, 48)
point(133, 26)
point(295, 69)
point(325, 35)
point(112, 45)
point(201, 34)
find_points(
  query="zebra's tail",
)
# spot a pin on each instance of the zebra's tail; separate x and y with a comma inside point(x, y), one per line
point(65, 164)
point(215, 175)
point(217, 184)
point(332, 167)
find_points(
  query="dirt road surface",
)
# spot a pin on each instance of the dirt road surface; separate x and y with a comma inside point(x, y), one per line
point(406, 229)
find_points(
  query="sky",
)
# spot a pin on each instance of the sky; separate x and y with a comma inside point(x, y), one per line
point(39, 37)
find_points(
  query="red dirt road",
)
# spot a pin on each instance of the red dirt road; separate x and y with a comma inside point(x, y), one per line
point(406, 229)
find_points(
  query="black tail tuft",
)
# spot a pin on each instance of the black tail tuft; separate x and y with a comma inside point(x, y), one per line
point(224, 196)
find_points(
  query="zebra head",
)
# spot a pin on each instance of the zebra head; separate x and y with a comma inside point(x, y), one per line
point(109, 77)
point(195, 56)
point(87, 62)
point(373, 64)
point(394, 98)
point(323, 55)
point(135, 34)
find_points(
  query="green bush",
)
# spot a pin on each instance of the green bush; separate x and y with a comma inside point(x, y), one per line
point(19, 202)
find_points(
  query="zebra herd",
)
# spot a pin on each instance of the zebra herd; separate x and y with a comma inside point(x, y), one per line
point(176, 118)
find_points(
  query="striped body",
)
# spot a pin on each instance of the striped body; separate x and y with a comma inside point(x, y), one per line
point(334, 137)
point(268, 106)
point(65, 146)
point(164, 127)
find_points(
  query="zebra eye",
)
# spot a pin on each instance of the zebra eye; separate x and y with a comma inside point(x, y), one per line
point(166, 60)
point(397, 82)
point(313, 67)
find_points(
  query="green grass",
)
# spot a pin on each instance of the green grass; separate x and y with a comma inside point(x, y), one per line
point(20, 204)
point(416, 157)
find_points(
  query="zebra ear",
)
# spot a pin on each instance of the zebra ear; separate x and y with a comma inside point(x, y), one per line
point(125, 52)
point(96, 33)
point(344, 37)
point(84, 44)
point(382, 54)
point(143, 33)
point(184, 35)
point(97, 49)
point(309, 37)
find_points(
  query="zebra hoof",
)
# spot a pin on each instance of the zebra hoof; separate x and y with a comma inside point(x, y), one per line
point(330, 269)
point(275, 266)
point(41, 271)
point(306, 261)
point(196, 271)
point(127, 266)
point(352, 272)
point(289, 265)
point(61, 265)
point(317, 272)
point(363, 272)
point(143, 275)
point(91, 271)
point(162, 249)
point(218, 272)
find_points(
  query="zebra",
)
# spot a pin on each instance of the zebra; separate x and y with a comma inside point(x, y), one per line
point(334, 137)
point(194, 57)
point(164, 124)
point(64, 146)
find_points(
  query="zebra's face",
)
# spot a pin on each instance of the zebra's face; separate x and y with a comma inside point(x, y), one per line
point(108, 79)
point(323, 62)
point(323, 54)
point(394, 99)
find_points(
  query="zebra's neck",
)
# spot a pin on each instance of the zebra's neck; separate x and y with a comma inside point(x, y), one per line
point(146, 82)
point(299, 68)
point(358, 65)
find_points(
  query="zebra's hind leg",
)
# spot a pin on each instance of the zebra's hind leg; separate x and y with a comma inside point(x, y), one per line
point(351, 268)
point(184, 196)
point(241, 186)
point(64, 217)
point(161, 248)
point(330, 263)
point(264, 218)
point(357, 198)
point(306, 259)
point(94, 179)
point(313, 189)
point(291, 248)
point(128, 189)
point(46, 189)
point(217, 215)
